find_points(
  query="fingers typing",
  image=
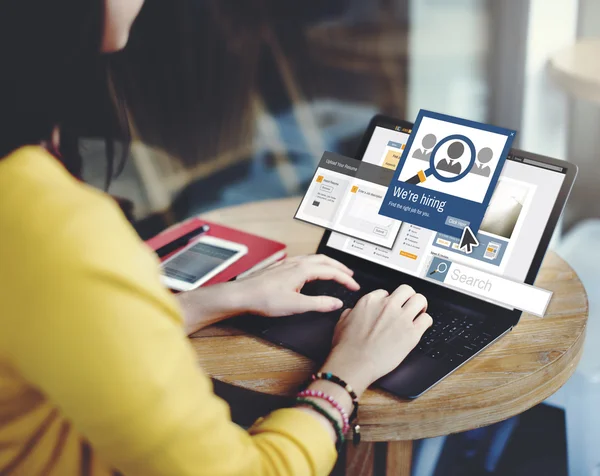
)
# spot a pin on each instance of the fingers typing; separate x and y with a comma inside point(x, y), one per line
point(325, 272)
point(416, 305)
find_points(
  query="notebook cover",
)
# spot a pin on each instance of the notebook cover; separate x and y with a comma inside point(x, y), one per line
point(259, 248)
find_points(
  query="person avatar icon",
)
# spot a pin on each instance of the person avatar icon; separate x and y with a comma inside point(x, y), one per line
point(455, 152)
point(483, 157)
point(428, 144)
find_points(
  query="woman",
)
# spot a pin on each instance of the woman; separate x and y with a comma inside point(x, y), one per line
point(96, 373)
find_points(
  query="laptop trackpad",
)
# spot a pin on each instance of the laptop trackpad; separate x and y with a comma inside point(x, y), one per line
point(309, 334)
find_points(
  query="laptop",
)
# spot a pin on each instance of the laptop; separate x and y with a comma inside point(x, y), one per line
point(514, 235)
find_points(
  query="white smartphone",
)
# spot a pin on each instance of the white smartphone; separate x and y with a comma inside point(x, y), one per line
point(200, 261)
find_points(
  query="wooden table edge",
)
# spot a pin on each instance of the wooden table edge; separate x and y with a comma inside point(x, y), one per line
point(514, 406)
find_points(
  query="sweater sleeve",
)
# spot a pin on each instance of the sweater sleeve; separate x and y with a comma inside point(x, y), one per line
point(97, 333)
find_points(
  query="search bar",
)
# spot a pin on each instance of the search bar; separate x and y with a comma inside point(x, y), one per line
point(488, 286)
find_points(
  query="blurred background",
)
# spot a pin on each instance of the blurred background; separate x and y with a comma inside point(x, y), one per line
point(233, 101)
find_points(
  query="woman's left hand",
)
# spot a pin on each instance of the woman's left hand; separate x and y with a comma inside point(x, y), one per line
point(275, 291)
point(272, 292)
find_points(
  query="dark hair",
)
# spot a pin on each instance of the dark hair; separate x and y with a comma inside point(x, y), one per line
point(53, 74)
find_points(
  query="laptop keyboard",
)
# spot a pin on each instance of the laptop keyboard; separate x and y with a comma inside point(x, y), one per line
point(453, 337)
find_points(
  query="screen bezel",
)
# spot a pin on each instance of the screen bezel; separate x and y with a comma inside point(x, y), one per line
point(471, 303)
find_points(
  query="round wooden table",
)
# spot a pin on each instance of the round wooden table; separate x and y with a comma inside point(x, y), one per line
point(521, 370)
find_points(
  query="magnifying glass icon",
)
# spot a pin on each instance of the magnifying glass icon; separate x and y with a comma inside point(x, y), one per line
point(432, 170)
point(441, 268)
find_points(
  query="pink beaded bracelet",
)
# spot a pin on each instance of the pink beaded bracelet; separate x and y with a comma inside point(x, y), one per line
point(331, 400)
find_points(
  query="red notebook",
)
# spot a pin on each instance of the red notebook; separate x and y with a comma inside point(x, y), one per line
point(261, 251)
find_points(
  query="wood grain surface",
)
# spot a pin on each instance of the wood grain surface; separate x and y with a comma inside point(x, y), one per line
point(360, 459)
point(522, 369)
point(399, 458)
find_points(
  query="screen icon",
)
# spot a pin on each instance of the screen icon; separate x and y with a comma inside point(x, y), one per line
point(441, 268)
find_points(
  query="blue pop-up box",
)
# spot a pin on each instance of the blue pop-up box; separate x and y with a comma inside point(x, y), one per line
point(447, 173)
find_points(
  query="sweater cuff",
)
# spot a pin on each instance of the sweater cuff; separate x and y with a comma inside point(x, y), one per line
point(306, 432)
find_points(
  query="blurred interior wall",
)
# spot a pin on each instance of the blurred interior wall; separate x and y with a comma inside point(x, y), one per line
point(584, 133)
point(448, 57)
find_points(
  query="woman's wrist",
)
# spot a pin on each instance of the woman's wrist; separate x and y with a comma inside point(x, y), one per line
point(356, 374)
point(334, 391)
point(250, 294)
point(203, 307)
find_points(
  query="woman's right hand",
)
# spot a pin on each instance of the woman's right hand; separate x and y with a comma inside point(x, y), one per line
point(372, 339)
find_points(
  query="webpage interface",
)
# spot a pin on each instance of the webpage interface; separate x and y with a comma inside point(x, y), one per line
point(509, 233)
point(345, 194)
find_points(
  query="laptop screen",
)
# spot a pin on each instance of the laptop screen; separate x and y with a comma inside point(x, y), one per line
point(509, 235)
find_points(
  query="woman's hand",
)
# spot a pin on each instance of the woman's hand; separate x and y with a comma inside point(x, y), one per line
point(275, 291)
point(272, 292)
point(372, 339)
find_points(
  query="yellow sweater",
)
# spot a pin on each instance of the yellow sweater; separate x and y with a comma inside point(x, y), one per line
point(96, 374)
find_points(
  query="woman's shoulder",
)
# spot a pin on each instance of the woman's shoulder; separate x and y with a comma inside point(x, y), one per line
point(46, 211)
point(35, 187)
point(33, 168)
point(66, 247)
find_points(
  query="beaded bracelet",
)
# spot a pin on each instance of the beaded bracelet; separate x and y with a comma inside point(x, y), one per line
point(338, 381)
point(332, 401)
point(335, 379)
point(336, 426)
